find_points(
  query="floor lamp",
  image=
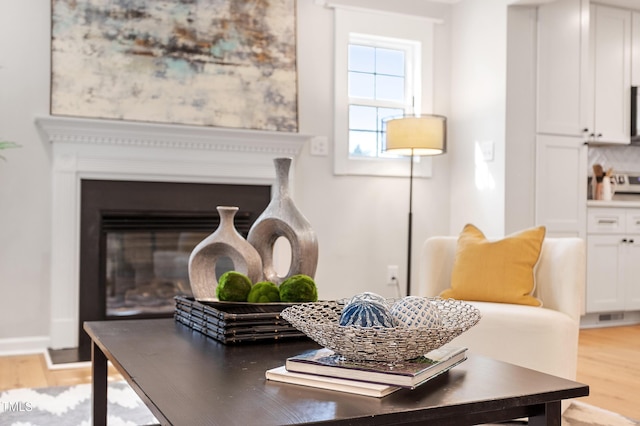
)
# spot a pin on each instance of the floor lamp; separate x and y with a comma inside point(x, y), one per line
point(415, 136)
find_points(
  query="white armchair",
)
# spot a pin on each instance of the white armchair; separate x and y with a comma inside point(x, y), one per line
point(541, 338)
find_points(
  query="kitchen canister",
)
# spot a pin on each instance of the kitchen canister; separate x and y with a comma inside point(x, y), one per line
point(607, 189)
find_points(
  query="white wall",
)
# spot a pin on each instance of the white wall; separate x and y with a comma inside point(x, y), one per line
point(521, 119)
point(360, 221)
point(25, 193)
point(478, 96)
point(364, 218)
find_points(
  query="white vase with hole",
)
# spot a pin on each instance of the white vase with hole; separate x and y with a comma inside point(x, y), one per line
point(225, 242)
point(282, 218)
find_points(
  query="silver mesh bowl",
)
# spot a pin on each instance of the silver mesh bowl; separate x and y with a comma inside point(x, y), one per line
point(320, 322)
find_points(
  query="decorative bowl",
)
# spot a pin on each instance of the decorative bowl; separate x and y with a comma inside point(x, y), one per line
point(320, 322)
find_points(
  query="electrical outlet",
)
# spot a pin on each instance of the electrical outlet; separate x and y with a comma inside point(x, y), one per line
point(392, 275)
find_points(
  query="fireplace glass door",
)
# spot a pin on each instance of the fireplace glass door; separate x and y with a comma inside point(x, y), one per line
point(146, 261)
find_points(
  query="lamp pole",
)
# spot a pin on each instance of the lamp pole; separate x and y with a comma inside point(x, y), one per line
point(410, 225)
point(411, 135)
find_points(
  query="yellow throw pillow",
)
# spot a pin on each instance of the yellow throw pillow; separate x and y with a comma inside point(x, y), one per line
point(496, 271)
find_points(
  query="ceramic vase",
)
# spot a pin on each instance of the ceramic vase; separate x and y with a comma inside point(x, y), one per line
point(224, 242)
point(282, 218)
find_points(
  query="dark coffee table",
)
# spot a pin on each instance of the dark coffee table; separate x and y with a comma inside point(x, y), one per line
point(186, 378)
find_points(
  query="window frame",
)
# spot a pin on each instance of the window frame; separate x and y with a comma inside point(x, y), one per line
point(349, 25)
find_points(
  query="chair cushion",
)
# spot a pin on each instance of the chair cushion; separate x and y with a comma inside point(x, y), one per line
point(496, 271)
point(532, 337)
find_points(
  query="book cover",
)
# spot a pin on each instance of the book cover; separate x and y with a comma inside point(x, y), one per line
point(411, 373)
point(280, 374)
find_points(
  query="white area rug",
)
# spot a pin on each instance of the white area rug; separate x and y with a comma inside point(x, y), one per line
point(71, 406)
point(582, 414)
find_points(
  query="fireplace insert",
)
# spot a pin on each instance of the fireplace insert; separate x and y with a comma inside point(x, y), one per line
point(145, 257)
point(136, 238)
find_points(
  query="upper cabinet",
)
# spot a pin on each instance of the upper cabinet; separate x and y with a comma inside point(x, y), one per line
point(563, 52)
point(585, 59)
point(635, 49)
point(610, 65)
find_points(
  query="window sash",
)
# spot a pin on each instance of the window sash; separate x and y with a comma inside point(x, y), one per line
point(367, 141)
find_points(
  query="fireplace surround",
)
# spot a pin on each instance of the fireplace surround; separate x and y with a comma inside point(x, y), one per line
point(85, 149)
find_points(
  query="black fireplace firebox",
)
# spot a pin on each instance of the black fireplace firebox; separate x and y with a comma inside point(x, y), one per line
point(136, 238)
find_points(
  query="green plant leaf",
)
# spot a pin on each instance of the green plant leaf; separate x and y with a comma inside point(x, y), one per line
point(6, 145)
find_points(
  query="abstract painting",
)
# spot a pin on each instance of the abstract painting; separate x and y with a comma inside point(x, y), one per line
point(225, 63)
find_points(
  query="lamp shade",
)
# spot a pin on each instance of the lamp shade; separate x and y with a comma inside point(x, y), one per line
point(417, 135)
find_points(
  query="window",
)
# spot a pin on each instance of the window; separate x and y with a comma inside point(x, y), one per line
point(380, 86)
point(383, 69)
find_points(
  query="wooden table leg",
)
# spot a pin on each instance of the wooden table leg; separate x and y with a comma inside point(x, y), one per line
point(551, 417)
point(99, 386)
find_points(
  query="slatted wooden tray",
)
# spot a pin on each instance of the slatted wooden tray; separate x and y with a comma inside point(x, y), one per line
point(230, 322)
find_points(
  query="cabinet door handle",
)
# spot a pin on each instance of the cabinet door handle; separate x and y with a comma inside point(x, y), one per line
point(631, 241)
point(624, 240)
point(607, 221)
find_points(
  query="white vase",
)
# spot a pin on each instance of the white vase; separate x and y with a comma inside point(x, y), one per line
point(282, 218)
point(224, 242)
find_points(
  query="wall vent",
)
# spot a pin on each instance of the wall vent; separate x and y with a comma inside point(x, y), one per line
point(617, 316)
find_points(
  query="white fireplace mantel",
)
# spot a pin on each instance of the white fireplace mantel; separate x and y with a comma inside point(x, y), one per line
point(121, 150)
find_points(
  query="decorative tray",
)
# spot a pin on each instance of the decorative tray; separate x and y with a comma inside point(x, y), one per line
point(320, 322)
point(235, 322)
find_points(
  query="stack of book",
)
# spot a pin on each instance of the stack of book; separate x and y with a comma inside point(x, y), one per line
point(322, 368)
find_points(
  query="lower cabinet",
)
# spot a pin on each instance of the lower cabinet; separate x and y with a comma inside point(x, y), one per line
point(561, 173)
point(613, 260)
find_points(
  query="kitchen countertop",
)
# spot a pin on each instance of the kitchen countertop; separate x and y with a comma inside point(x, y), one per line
point(624, 202)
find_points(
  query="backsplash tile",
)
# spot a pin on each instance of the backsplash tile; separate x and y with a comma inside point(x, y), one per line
point(622, 158)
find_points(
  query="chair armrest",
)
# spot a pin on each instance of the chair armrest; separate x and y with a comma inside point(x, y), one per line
point(437, 256)
point(561, 275)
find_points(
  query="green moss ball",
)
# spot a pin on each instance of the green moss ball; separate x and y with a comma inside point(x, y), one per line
point(264, 292)
point(233, 287)
point(299, 288)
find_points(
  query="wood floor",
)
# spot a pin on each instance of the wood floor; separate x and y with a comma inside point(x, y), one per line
point(608, 361)
point(30, 371)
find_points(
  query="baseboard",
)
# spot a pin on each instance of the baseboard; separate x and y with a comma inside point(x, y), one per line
point(609, 319)
point(36, 345)
point(24, 345)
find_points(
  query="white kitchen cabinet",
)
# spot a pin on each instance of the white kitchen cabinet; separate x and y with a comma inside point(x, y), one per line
point(561, 99)
point(563, 50)
point(561, 185)
point(610, 65)
point(613, 260)
point(635, 48)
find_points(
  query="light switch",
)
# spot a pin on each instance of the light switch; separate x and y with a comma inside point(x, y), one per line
point(487, 150)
